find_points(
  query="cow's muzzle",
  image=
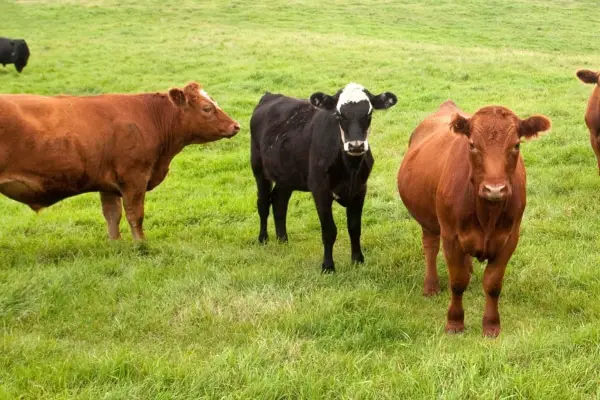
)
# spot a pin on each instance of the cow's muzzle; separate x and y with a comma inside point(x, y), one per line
point(232, 131)
point(494, 193)
point(356, 147)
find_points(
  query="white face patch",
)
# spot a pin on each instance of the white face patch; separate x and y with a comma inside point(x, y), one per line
point(207, 97)
point(353, 93)
point(347, 144)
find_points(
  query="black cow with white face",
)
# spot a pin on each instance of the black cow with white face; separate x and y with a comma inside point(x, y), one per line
point(319, 146)
point(14, 51)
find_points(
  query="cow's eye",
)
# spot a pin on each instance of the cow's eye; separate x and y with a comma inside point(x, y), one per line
point(472, 146)
point(207, 109)
point(517, 146)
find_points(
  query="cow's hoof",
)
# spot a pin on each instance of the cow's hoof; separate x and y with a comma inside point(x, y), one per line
point(491, 330)
point(327, 269)
point(263, 238)
point(358, 258)
point(431, 288)
point(455, 327)
point(283, 239)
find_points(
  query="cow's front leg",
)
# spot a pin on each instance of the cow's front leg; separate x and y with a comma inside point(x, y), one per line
point(353, 217)
point(323, 201)
point(133, 199)
point(460, 275)
point(492, 286)
point(112, 208)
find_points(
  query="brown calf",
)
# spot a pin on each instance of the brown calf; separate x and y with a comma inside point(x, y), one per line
point(119, 145)
point(463, 179)
point(592, 114)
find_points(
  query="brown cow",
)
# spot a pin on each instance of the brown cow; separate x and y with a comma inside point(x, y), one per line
point(592, 114)
point(119, 145)
point(463, 179)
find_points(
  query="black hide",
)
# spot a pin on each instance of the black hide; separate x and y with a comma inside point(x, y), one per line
point(14, 51)
point(297, 146)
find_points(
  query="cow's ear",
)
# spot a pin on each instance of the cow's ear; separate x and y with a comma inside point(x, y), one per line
point(177, 97)
point(322, 100)
point(587, 76)
point(383, 100)
point(460, 124)
point(531, 127)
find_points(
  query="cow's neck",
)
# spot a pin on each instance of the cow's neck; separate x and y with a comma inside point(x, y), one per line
point(171, 138)
point(167, 122)
point(488, 213)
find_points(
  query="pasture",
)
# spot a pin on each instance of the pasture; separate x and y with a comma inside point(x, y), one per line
point(201, 310)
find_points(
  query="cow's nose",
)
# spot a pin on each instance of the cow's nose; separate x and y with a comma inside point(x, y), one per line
point(356, 146)
point(234, 128)
point(494, 192)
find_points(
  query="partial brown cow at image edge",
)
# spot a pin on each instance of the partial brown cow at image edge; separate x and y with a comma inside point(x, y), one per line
point(592, 114)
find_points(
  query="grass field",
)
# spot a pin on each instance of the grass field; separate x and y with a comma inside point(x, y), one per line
point(202, 310)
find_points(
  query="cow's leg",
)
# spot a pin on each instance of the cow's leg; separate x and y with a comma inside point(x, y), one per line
point(112, 208)
point(431, 248)
point(323, 202)
point(133, 200)
point(492, 286)
point(263, 201)
point(280, 197)
point(353, 217)
point(459, 280)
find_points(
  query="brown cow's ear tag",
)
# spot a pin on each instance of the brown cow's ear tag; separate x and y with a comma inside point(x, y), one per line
point(460, 124)
point(177, 97)
point(531, 127)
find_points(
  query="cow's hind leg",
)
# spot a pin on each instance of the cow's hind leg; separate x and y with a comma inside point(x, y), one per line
point(353, 217)
point(280, 197)
point(431, 248)
point(263, 202)
point(112, 208)
point(328, 229)
point(133, 199)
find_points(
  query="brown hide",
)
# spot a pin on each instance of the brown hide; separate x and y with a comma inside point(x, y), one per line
point(592, 114)
point(463, 179)
point(120, 145)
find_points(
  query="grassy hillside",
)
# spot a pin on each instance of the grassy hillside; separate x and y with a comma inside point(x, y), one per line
point(201, 310)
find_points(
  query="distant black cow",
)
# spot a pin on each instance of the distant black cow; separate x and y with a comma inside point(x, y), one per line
point(319, 147)
point(14, 51)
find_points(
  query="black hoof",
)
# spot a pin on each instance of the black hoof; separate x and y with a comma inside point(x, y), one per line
point(327, 269)
point(263, 238)
point(358, 258)
point(282, 239)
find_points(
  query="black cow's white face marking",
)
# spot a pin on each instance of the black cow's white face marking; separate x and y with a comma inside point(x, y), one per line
point(353, 111)
point(353, 107)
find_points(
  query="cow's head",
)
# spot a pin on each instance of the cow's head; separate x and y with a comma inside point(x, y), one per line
point(20, 54)
point(353, 107)
point(201, 116)
point(495, 135)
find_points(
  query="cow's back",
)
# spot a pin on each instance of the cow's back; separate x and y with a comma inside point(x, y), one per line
point(431, 151)
point(281, 139)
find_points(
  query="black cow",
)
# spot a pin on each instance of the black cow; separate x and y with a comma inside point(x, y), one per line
point(319, 147)
point(14, 51)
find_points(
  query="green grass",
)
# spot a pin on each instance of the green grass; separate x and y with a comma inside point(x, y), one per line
point(201, 310)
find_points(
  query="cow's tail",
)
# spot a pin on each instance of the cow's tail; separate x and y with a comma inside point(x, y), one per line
point(587, 76)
